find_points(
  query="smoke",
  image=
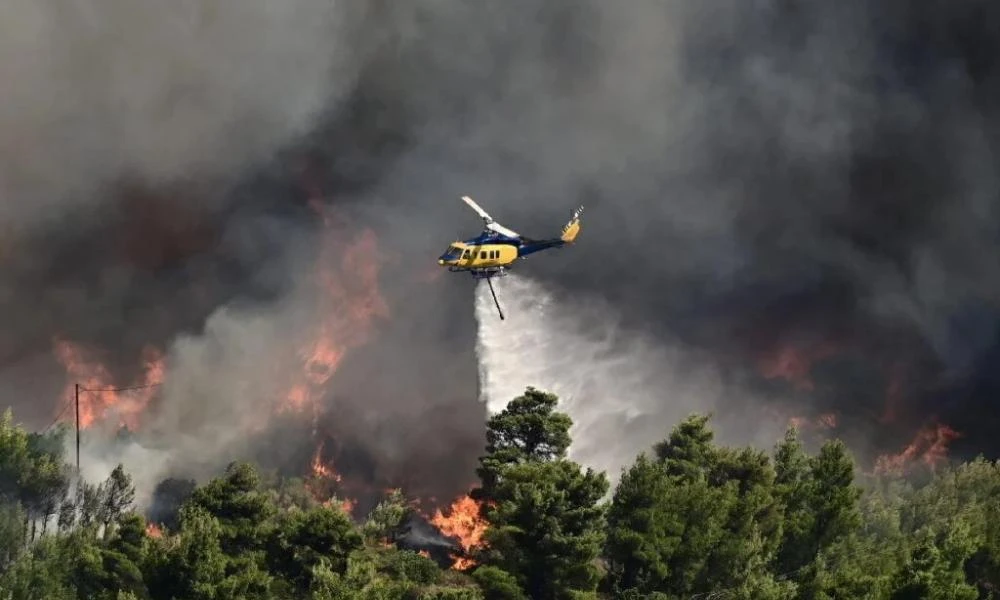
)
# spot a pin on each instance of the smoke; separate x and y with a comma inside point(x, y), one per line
point(99, 91)
point(759, 177)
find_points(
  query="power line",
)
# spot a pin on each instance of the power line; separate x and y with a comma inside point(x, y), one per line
point(78, 388)
point(69, 405)
point(121, 389)
point(58, 417)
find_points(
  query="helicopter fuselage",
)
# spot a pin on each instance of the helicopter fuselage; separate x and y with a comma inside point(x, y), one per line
point(491, 253)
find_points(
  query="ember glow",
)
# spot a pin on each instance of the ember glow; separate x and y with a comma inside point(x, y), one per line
point(929, 446)
point(464, 523)
point(794, 364)
point(98, 400)
point(822, 422)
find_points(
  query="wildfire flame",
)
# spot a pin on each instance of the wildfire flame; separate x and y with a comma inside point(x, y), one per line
point(348, 506)
point(464, 523)
point(321, 470)
point(929, 446)
point(349, 301)
point(153, 530)
point(97, 398)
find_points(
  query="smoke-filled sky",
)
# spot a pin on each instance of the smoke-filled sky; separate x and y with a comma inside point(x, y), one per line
point(758, 176)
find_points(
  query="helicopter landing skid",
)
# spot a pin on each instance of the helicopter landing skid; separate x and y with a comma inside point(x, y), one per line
point(488, 273)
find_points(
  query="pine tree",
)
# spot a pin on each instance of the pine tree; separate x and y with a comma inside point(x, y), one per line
point(546, 523)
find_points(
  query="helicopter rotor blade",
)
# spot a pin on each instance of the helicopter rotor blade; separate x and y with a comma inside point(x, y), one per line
point(490, 223)
point(479, 210)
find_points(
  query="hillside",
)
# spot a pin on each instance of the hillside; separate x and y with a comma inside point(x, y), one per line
point(689, 518)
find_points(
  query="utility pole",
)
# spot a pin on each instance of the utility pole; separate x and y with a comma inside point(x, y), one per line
point(77, 390)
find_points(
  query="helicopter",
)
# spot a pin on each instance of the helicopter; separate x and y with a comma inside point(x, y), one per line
point(494, 251)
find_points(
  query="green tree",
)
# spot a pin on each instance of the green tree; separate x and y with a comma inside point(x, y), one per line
point(546, 524)
point(688, 452)
point(99, 572)
point(934, 569)
point(699, 519)
point(384, 521)
point(242, 509)
point(129, 538)
point(40, 574)
point(964, 498)
point(643, 530)
point(15, 458)
point(67, 515)
point(528, 429)
point(194, 566)
point(12, 532)
point(497, 584)
point(90, 498)
point(117, 498)
point(793, 486)
point(406, 565)
point(834, 501)
point(302, 538)
point(31, 471)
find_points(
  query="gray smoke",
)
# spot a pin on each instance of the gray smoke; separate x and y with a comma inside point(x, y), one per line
point(99, 91)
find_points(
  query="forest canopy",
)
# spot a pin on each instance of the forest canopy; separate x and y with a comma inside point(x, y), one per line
point(688, 518)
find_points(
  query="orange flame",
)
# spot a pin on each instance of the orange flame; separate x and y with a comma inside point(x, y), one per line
point(462, 522)
point(321, 470)
point(153, 530)
point(347, 279)
point(97, 398)
point(323, 475)
point(348, 506)
point(930, 446)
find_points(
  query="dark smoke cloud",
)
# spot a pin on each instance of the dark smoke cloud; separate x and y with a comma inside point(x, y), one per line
point(758, 175)
point(755, 174)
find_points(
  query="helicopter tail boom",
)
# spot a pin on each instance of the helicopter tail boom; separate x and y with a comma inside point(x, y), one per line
point(572, 228)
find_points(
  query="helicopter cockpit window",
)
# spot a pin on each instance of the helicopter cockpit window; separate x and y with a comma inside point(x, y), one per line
point(452, 253)
point(467, 255)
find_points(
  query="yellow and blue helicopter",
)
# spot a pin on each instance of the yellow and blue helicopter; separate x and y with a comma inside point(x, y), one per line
point(494, 251)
